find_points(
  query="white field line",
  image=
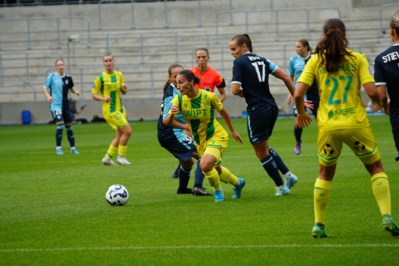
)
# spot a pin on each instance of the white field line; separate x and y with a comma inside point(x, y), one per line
point(326, 246)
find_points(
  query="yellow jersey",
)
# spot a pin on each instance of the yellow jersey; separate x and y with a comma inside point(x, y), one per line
point(110, 86)
point(341, 105)
point(200, 115)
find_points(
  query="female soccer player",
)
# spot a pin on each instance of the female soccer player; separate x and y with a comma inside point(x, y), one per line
point(296, 65)
point(107, 88)
point(59, 84)
point(251, 73)
point(209, 77)
point(342, 118)
point(174, 139)
point(198, 108)
point(386, 73)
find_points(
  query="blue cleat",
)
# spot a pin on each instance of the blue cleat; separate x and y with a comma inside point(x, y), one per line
point(397, 157)
point(74, 151)
point(237, 190)
point(59, 151)
point(282, 191)
point(219, 197)
point(291, 181)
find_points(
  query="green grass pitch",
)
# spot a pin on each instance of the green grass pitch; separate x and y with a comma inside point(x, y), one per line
point(53, 210)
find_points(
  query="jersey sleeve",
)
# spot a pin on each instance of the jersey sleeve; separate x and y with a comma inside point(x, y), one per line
point(364, 70)
point(237, 72)
point(219, 80)
point(307, 75)
point(175, 102)
point(216, 103)
point(291, 69)
point(272, 66)
point(47, 83)
point(97, 85)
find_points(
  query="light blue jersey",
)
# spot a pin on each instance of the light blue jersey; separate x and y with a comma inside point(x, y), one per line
point(167, 105)
point(296, 66)
point(59, 88)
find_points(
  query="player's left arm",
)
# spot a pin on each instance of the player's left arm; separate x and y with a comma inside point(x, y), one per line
point(226, 118)
point(280, 74)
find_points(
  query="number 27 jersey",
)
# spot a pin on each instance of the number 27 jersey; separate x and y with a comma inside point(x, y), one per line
point(341, 105)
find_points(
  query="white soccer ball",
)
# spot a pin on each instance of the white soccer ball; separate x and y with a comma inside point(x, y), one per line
point(117, 195)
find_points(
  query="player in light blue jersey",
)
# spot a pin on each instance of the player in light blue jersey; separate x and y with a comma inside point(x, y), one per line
point(176, 139)
point(56, 88)
point(296, 66)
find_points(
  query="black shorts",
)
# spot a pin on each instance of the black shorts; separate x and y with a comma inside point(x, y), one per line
point(260, 123)
point(182, 149)
point(62, 115)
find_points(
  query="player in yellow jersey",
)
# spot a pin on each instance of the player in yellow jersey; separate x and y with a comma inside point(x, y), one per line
point(198, 108)
point(106, 89)
point(341, 118)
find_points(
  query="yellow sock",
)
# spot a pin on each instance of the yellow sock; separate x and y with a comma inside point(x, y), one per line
point(112, 150)
point(321, 195)
point(122, 150)
point(227, 177)
point(213, 179)
point(382, 194)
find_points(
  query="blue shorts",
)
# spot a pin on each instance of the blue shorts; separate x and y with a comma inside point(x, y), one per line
point(182, 150)
point(65, 115)
point(260, 122)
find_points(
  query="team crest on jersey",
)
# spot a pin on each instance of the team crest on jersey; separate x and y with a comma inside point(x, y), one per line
point(66, 82)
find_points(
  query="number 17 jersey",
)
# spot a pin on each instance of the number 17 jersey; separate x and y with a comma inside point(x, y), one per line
point(341, 105)
point(252, 73)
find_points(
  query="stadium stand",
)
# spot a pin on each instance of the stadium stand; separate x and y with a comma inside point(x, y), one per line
point(146, 37)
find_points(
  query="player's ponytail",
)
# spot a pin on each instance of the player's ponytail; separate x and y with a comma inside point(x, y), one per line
point(170, 74)
point(332, 48)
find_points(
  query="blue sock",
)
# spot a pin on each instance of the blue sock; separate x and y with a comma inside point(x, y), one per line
point(184, 177)
point(58, 134)
point(71, 137)
point(280, 164)
point(199, 175)
point(271, 168)
point(298, 134)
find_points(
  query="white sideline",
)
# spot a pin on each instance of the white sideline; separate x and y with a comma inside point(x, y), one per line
point(195, 247)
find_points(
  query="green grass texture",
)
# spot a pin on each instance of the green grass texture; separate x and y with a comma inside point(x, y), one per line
point(53, 209)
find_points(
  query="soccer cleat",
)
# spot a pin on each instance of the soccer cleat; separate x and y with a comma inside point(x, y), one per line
point(74, 151)
point(175, 174)
point(122, 160)
point(282, 191)
point(107, 161)
point(184, 191)
point(297, 149)
point(397, 157)
point(389, 224)
point(59, 151)
point(219, 197)
point(200, 191)
point(291, 181)
point(237, 190)
point(318, 231)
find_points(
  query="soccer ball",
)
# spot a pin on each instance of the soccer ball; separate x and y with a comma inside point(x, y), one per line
point(117, 195)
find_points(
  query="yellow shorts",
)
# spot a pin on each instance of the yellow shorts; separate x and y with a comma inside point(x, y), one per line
point(116, 120)
point(360, 140)
point(215, 148)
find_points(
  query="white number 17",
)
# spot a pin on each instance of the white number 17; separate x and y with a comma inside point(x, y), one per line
point(260, 70)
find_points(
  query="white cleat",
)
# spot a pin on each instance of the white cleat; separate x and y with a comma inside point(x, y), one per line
point(107, 161)
point(122, 160)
